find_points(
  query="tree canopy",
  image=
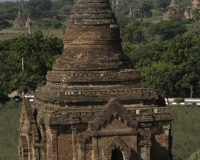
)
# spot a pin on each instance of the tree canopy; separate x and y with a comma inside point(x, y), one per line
point(133, 33)
point(168, 29)
point(38, 52)
point(173, 67)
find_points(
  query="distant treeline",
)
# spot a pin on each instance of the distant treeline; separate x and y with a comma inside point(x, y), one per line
point(37, 9)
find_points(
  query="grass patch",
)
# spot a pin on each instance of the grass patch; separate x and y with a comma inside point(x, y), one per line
point(14, 32)
point(9, 129)
point(185, 131)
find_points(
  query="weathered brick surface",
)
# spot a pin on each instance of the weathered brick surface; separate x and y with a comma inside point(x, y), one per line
point(172, 11)
point(19, 22)
point(93, 106)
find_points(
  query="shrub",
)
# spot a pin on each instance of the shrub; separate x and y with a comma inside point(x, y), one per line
point(9, 129)
point(4, 24)
point(178, 100)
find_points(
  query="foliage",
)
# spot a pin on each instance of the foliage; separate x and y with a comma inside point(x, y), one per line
point(122, 19)
point(151, 51)
point(41, 4)
point(4, 24)
point(173, 66)
point(65, 10)
point(161, 3)
point(39, 53)
point(127, 48)
point(48, 23)
point(48, 9)
point(178, 100)
point(59, 3)
point(9, 129)
point(9, 10)
point(133, 33)
point(196, 14)
point(167, 29)
point(145, 6)
point(159, 76)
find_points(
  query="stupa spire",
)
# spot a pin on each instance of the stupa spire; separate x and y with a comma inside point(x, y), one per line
point(93, 32)
point(130, 11)
point(131, 16)
point(117, 3)
point(19, 12)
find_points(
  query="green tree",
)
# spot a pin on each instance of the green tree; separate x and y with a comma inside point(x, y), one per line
point(41, 4)
point(196, 14)
point(39, 8)
point(167, 29)
point(122, 19)
point(137, 13)
point(133, 33)
point(39, 53)
point(145, 7)
point(173, 67)
point(161, 4)
point(4, 24)
point(65, 10)
point(158, 75)
point(180, 10)
point(151, 51)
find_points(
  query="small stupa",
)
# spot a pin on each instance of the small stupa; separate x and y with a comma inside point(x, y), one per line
point(28, 22)
point(117, 3)
point(171, 13)
point(131, 16)
point(19, 22)
point(195, 5)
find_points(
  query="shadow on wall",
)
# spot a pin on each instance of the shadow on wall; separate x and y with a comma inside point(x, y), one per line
point(158, 151)
point(160, 102)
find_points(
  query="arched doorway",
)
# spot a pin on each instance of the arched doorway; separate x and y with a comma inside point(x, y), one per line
point(117, 155)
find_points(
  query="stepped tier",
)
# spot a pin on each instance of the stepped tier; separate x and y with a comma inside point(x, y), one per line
point(97, 94)
point(94, 77)
point(93, 67)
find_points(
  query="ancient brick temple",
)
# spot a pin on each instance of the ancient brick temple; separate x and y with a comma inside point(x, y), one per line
point(19, 22)
point(172, 11)
point(195, 5)
point(93, 106)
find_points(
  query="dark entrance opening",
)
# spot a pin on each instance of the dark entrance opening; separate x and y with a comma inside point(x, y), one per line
point(117, 155)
